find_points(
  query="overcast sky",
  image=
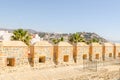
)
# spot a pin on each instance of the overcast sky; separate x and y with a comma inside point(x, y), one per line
point(99, 16)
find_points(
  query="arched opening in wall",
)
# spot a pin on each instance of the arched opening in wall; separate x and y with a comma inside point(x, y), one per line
point(10, 61)
point(97, 56)
point(42, 59)
point(66, 58)
point(110, 55)
point(84, 56)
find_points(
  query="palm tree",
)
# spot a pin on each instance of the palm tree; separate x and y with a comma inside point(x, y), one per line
point(61, 39)
point(55, 41)
point(76, 37)
point(93, 40)
point(21, 35)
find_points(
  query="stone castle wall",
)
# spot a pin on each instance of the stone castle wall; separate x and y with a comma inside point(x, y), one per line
point(81, 52)
point(66, 53)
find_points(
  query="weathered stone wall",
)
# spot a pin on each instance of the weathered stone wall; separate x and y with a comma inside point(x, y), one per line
point(3, 61)
point(1, 48)
point(17, 52)
point(81, 52)
point(65, 50)
point(109, 52)
point(61, 51)
point(46, 51)
point(117, 51)
point(42, 53)
point(96, 52)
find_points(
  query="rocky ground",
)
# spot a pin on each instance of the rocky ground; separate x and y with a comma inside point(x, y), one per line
point(74, 72)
